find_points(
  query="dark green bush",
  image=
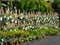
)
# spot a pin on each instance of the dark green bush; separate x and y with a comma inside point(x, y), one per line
point(31, 5)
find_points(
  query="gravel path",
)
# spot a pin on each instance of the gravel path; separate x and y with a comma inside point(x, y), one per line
point(50, 40)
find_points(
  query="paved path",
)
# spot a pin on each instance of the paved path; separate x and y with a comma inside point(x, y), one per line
point(51, 40)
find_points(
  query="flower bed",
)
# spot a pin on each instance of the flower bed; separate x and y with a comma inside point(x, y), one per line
point(25, 22)
point(24, 28)
point(22, 36)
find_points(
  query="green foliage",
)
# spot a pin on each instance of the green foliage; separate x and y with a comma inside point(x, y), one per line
point(56, 5)
point(2, 4)
point(22, 35)
point(33, 5)
point(10, 4)
point(29, 5)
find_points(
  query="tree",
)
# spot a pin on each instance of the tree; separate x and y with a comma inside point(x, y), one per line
point(56, 7)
